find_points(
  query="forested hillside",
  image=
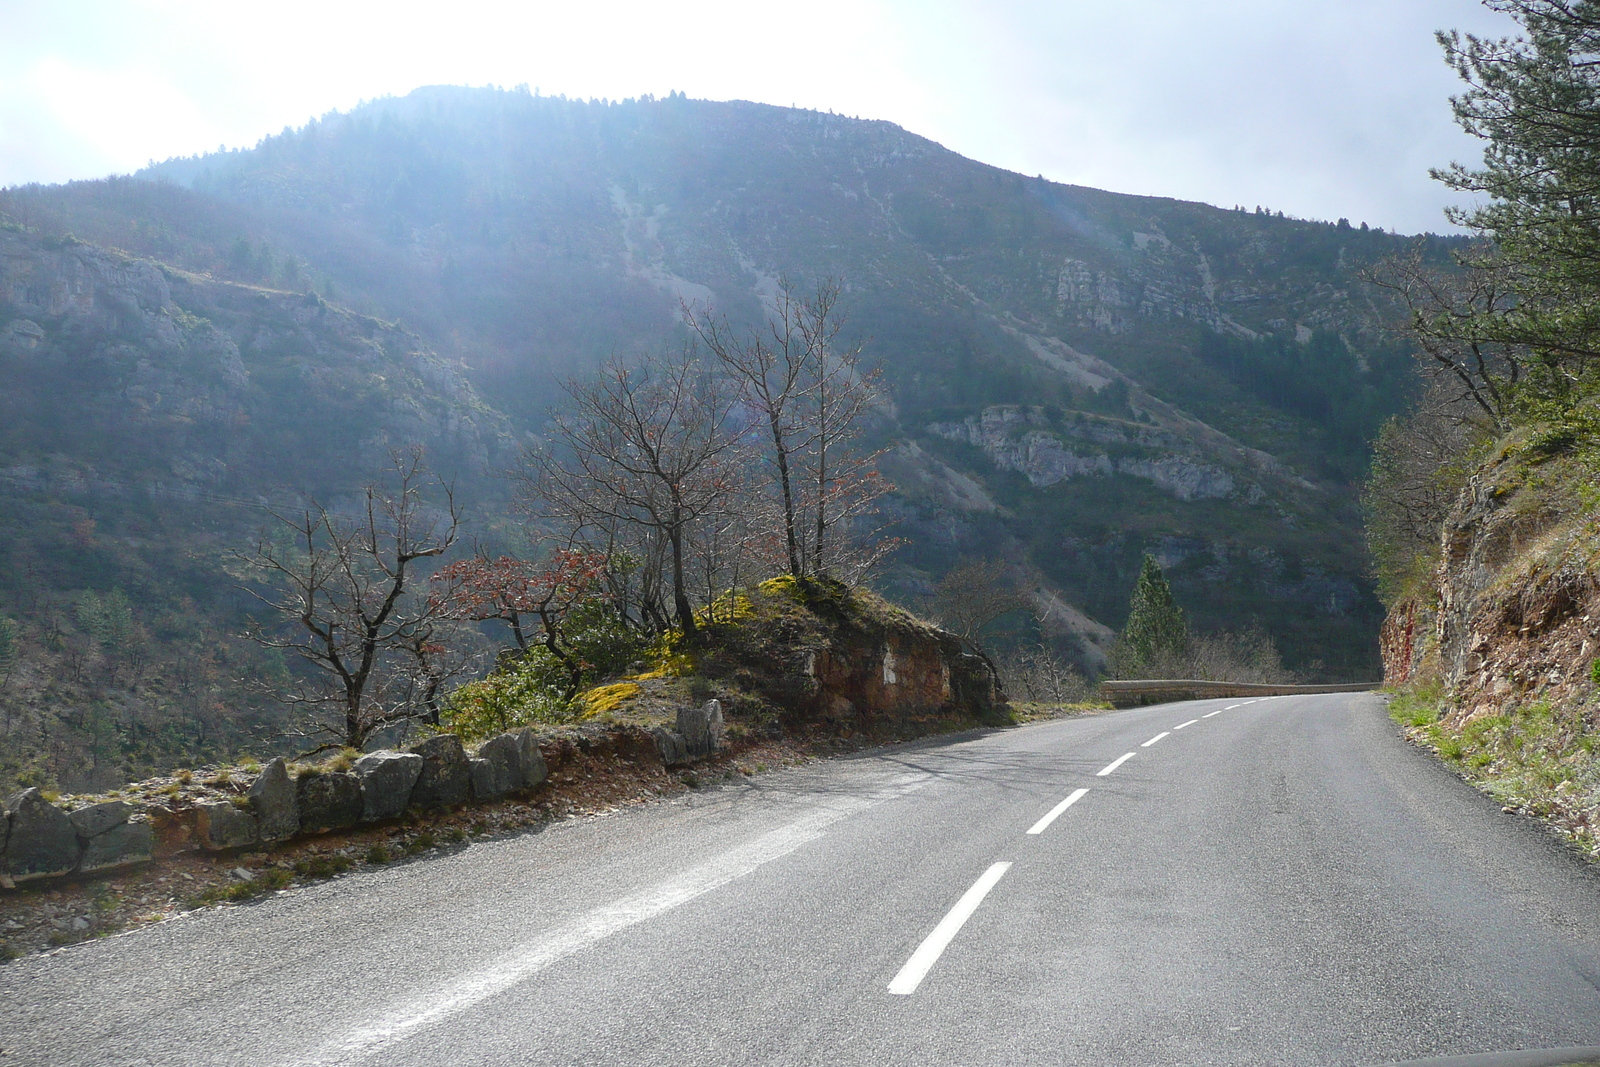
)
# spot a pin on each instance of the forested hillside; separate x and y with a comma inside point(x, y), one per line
point(1071, 378)
point(148, 418)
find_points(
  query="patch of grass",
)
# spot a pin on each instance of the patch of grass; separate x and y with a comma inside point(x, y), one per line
point(185, 777)
point(322, 866)
point(1538, 759)
point(1418, 705)
point(222, 777)
point(268, 881)
point(341, 761)
point(421, 842)
point(455, 835)
point(378, 854)
point(9, 952)
point(690, 779)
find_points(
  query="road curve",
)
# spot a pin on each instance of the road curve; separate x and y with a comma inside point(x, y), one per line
point(1213, 882)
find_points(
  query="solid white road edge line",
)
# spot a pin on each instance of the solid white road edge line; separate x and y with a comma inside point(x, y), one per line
point(1113, 765)
point(1050, 816)
point(472, 988)
point(1157, 737)
point(933, 946)
point(1181, 725)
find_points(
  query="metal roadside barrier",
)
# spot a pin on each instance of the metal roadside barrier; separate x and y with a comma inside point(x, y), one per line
point(1162, 691)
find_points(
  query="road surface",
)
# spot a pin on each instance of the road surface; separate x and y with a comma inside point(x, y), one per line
point(1277, 881)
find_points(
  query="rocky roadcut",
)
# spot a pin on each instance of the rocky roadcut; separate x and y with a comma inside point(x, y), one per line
point(1495, 656)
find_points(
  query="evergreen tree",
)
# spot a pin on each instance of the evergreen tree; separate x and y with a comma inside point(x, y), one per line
point(9, 652)
point(1534, 100)
point(1156, 637)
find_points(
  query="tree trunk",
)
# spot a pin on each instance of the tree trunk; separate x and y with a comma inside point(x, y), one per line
point(680, 593)
point(788, 496)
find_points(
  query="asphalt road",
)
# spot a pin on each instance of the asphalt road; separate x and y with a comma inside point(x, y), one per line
point(1281, 881)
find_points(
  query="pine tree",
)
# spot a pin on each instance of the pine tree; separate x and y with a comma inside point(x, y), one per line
point(1156, 637)
point(9, 650)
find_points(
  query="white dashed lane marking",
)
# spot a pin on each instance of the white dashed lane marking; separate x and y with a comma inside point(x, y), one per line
point(1113, 765)
point(1050, 816)
point(1157, 737)
point(933, 946)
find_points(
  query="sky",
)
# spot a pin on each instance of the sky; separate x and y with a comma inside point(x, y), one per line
point(1319, 108)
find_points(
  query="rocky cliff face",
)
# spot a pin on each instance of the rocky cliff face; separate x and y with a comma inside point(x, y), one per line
point(1510, 616)
point(815, 654)
point(1045, 451)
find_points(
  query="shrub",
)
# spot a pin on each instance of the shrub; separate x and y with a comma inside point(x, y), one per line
point(516, 696)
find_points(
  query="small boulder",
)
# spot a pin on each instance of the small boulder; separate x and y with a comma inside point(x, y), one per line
point(225, 825)
point(498, 768)
point(702, 728)
point(670, 743)
point(275, 800)
point(120, 846)
point(386, 782)
point(328, 801)
point(531, 760)
point(446, 777)
point(96, 819)
point(42, 842)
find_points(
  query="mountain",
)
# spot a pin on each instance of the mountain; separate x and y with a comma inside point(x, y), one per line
point(1073, 377)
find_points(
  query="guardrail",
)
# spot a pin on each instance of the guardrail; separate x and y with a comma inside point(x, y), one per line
point(1162, 691)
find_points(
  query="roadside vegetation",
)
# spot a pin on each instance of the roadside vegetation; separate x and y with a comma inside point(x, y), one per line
point(1481, 508)
point(1537, 760)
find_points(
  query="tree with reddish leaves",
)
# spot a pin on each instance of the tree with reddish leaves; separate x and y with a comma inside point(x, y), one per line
point(515, 591)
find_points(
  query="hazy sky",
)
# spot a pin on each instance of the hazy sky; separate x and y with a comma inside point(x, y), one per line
point(1320, 108)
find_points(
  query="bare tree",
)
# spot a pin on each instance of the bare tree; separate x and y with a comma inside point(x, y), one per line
point(810, 395)
point(973, 595)
point(341, 588)
point(1037, 673)
point(1420, 462)
point(771, 375)
point(1453, 317)
point(845, 484)
point(648, 446)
